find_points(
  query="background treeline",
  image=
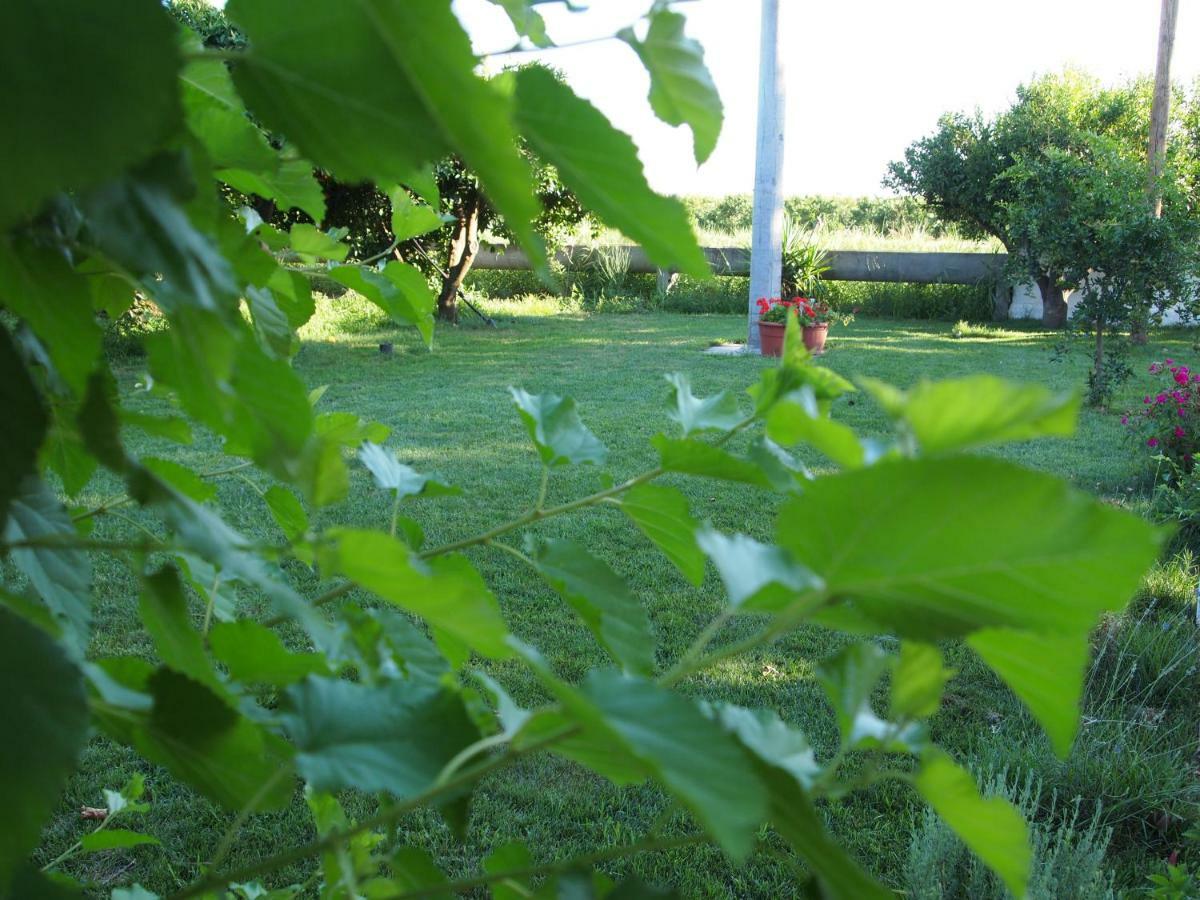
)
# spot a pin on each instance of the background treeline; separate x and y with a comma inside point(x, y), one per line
point(882, 215)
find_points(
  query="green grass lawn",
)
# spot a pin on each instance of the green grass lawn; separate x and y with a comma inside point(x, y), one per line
point(450, 413)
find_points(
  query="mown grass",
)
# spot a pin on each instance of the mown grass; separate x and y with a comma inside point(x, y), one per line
point(449, 412)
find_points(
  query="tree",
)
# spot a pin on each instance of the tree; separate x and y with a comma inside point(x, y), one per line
point(1082, 213)
point(959, 169)
point(394, 699)
point(465, 201)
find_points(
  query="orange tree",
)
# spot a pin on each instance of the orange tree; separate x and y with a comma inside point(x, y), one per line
point(113, 159)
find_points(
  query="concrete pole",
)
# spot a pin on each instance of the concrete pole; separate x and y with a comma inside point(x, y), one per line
point(767, 225)
point(1160, 109)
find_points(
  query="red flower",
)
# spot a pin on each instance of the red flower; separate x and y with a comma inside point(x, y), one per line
point(1179, 432)
point(1153, 442)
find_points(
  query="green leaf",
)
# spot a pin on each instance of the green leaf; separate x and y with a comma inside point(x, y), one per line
point(681, 89)
point(115, 839)
point(181, 478)
point(38, 285)
point(757, 577)
point(602, 599)
point(1046, 671)
point(23, 406)
point(205, 742)
point(287, 511)
point(392, 475)
point(782, 469)
point(271, 324)
point(410, 219)
point(765, 735)
point(557, 431)
point(449, 594)
point(716, 413)
point(393, 737)
point(291, 185)
point(691, 457)
point(511, 857)
point(797, 821)
point(982, 544)
point(413, 869)
point(992, 828)
point(313, 245)
point(254, 654)
point(399, 290)
point(691, 756)
point(64, 131)
point(164, 612)
point(849, 678)
point(373, 91)
point(662, 514)
point(918, 681)
point(173, 428)
point(967, 413)
point(216, 116)
point(526, 20)
point(30, 881)
point(796, 419)
point(44, 699)
point(61, 576)
point(600, 164)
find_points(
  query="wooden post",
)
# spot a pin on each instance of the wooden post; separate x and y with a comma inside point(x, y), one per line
point(767, 224)
point(1160, 109)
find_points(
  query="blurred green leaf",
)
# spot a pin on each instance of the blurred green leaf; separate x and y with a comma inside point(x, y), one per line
point(557, 431)
point(114, 839)
point(967, 413)
point(410, 219)
point(254, 654)
point(313, 245)
point(399, 290)
point(65, 131)
point(918, 681)
point(206, 743)
point(165, 615)
point(526, 20)
point(929, 549)
point(796, 419)
point(691, 457)
point(38, 285)
point(448, 594)
point(992, 828)
point(181, 478)
point(757, 577)
point(681, 89)
point(43, 699)
point(716, 413)
point(849, 678)
point(1046, 671)
point(402, 480)
point(61, 576)
point(287, 511)
point(289, 183)
point(18, 452)
point(600, 164)
point(602, 599)
point(393, 737)
point(662, 514)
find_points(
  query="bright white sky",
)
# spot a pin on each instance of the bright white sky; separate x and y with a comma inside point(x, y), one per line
point(864, 79)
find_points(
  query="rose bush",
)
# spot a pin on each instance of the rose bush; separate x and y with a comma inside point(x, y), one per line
point(1169, 420)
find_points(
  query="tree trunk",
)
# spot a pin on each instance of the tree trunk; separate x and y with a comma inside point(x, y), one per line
point(1002, 298)
point(1099, 389)
point(464, 246)
point(1054, 302)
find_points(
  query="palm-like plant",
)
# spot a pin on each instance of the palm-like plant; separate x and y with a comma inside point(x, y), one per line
point(804, 263)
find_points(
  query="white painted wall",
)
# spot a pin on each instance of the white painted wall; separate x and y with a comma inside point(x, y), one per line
point(1027, 304)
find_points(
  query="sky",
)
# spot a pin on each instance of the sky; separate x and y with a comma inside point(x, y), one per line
point(863, 79)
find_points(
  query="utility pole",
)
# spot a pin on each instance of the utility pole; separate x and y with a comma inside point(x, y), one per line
point(767, 224)
point(1160, 109)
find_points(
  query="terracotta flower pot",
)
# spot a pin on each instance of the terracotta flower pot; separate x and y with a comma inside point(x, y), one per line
point(770, 338)
point(814, 338)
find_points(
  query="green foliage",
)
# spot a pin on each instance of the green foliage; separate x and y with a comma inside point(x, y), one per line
point(384, 699)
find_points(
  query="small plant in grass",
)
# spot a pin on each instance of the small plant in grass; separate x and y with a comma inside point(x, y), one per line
point(1068, 850)
point(964, 329)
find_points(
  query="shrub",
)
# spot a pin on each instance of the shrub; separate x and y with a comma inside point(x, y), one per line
point(1068, 850)
point(1169, 421)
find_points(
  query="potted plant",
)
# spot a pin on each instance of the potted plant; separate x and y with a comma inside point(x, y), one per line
point(814, 315)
